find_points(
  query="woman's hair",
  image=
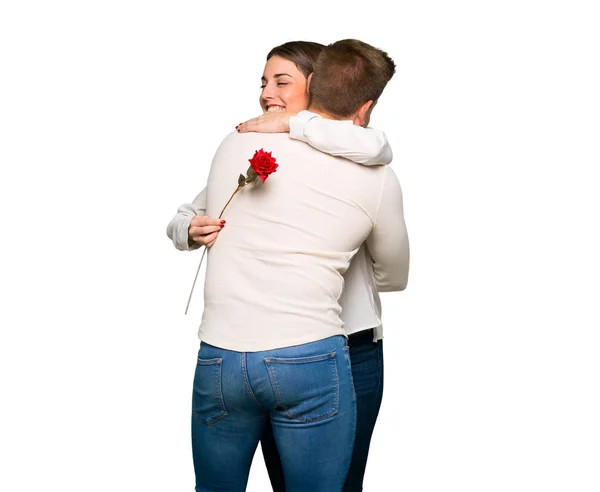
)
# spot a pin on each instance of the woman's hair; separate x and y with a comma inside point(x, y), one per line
point(303, 53)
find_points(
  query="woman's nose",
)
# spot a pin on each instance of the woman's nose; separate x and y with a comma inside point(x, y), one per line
point(267, 92)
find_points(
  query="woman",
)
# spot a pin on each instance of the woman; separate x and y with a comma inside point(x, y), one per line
point(284, 93)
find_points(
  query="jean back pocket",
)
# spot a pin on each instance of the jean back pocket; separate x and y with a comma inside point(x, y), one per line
point(306, 388)
point(207, 401)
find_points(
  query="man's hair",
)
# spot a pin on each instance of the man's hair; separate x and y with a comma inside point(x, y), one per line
point(303, 53)
point(347, 74)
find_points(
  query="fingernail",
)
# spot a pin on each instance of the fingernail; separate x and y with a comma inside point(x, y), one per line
point(223, 221)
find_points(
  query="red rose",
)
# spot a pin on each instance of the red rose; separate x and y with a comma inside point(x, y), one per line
point(263, 164)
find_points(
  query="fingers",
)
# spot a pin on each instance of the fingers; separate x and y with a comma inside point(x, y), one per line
point(249, 126)
point(210, 239)
point(277, 122)
point(202, 220)
point(213, 241)
point(207, 239)
point(204, 230)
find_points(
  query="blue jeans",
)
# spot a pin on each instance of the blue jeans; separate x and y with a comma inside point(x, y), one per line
point(367, 372)
point(304, 392)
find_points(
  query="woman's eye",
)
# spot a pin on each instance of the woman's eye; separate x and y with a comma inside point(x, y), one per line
point(282, 83)
point(262, 87)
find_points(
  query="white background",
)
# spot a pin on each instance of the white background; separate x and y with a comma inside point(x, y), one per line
point(110, 113)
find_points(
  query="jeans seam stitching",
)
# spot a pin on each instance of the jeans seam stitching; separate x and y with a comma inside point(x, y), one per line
point(247, 382)
point(301, 360)
point(380, 373)
point(224, 413)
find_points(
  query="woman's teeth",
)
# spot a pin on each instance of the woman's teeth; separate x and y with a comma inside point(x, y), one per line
point(272, 109)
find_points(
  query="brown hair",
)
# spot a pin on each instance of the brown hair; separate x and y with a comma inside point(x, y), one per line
point(303, 53)
point(347, 74)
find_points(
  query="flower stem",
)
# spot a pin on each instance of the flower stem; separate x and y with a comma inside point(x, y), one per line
point(204, 252)
point(195, 278)
point(238, 189)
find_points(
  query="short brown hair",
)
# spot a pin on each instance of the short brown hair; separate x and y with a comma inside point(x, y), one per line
point(303, 53)
point(347, 74)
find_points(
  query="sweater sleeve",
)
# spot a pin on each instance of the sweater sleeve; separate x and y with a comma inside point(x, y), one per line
point(341, 138)
point(388, 241)
point(177, 230)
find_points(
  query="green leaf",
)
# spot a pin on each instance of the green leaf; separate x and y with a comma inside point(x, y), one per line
point(251, 173)
point(249, 179)
point(241, 180)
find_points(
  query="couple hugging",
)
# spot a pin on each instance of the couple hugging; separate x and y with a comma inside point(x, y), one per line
point(291, 336)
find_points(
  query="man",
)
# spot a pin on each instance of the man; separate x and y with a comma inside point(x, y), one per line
point(292, 238)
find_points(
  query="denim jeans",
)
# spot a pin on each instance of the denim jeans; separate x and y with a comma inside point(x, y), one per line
point(304, 392)
point(367, 371)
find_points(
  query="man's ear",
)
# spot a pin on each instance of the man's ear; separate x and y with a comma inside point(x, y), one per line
point(363, 114)
point(308, 82)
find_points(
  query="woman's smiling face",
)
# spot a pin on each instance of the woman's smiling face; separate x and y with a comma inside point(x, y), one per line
point(283, 87)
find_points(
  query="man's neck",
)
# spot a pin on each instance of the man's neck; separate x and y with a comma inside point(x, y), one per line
point(324, 114)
